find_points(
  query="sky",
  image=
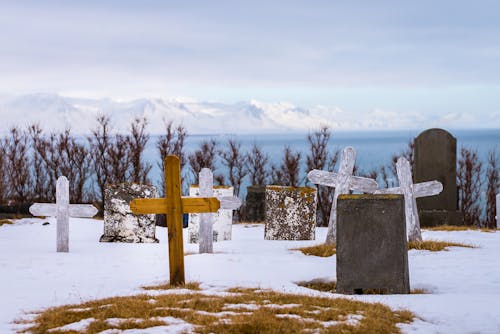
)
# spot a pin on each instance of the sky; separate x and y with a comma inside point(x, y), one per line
point(432, 58)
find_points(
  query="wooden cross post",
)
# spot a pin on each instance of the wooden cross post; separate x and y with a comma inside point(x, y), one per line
point(174, 205)
point(63, 210)
point(411, 192)
point(343, 182)
point(206, 219)
point(498, 211)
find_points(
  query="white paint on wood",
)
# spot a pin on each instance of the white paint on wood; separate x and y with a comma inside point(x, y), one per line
point(343, 182)
point(62, 210)
point(411, 192)
point(206, 220)
point(498, 211)
point(62, 203)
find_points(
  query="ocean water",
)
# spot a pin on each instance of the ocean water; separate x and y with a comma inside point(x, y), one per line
point(373, 148)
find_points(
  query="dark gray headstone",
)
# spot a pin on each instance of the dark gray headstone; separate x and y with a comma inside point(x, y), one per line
point(290, 213)
point(120, 224)
point(372, 249)
point(255, 204)
point(436, 159)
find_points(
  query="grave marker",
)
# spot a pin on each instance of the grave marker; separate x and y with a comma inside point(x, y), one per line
point(436, 159)
point(174, 205)
point(498, 211)
point(207, 220)
point(290, 213)
point(63, 210)
point(343, 182)
point(411, 192)
point(372, 249)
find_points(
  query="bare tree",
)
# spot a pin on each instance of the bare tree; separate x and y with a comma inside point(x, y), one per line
point(409, 154)
point(203, 157)
point(287, 173)
point(100, 142)
point(493, 187)
point(235, 162)
point(469, 183)
point(3, 174)
point(18, 165)
point(321, 158)
point(41, 187)
point(137, 141)
point(172, 143)
point(256, 165)
point(119, 160)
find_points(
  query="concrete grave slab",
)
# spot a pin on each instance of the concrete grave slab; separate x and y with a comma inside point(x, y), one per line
point(372, 249)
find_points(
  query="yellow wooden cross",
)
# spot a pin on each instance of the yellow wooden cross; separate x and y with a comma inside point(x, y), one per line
point(174, 205)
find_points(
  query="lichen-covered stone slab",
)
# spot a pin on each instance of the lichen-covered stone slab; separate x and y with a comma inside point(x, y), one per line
point(120, 224)
point(290, 213)
point(223, 219)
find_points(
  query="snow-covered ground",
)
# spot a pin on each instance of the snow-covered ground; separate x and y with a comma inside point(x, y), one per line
point(465, 283)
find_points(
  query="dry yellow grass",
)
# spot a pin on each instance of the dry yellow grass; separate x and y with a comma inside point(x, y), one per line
point(331, 286)
point(6, 222)
point(168, 286)
point(435, 246)
point(244, 311)
point(323, 250)
point(459, 228)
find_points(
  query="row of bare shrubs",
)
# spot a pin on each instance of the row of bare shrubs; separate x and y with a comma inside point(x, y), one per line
point(33, 161)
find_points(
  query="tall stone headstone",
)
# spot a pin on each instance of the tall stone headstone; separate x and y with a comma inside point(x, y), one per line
point(120, 224)
point(255, 204)
point(290, 213)
point(223, 219)
point(436, 159)
point(372, 249)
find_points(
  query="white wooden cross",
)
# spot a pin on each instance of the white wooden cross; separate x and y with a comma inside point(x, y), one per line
point(206, 219)
point(411, 192)
point(498, 211)
point(343, 182)
point(63, 210)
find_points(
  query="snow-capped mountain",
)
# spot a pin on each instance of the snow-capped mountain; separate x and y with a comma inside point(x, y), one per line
point(56, 112)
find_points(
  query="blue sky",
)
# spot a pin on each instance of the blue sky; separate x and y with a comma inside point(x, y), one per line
point(429, 57)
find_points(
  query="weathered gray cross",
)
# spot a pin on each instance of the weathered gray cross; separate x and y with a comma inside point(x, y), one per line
point(206, 187)
point(63, 210)
point(411, 192)
point(498, 211)
point(343, 182)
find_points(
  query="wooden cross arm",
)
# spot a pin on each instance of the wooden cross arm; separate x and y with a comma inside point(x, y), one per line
point(329, 179)
point(322, 177)
point(424, 189)
point(142, 206)
point(75, 210)
point(362, 184)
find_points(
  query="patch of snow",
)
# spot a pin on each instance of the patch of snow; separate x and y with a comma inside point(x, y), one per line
point(252, 307)
point(78, 326)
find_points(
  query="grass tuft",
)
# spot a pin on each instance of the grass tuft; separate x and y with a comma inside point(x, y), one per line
point(6, 222)
point(248, 311)
point(323, 250)
point(460, 228)
point(435, 246)
point(331, 286)
point(167, 286)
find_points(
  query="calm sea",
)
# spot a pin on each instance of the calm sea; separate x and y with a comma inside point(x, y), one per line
point(373, 149)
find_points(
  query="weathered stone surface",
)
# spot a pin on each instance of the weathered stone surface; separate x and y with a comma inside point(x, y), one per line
point(223, 219)
point(436, 159)
point(290, 213)
point(255, 205)
point(371, 244)
point(120, 224)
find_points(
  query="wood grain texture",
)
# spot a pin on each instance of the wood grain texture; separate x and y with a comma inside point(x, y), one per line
point(343, 182)
point(411, 192)
point(62, 204)
point(206, 220)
